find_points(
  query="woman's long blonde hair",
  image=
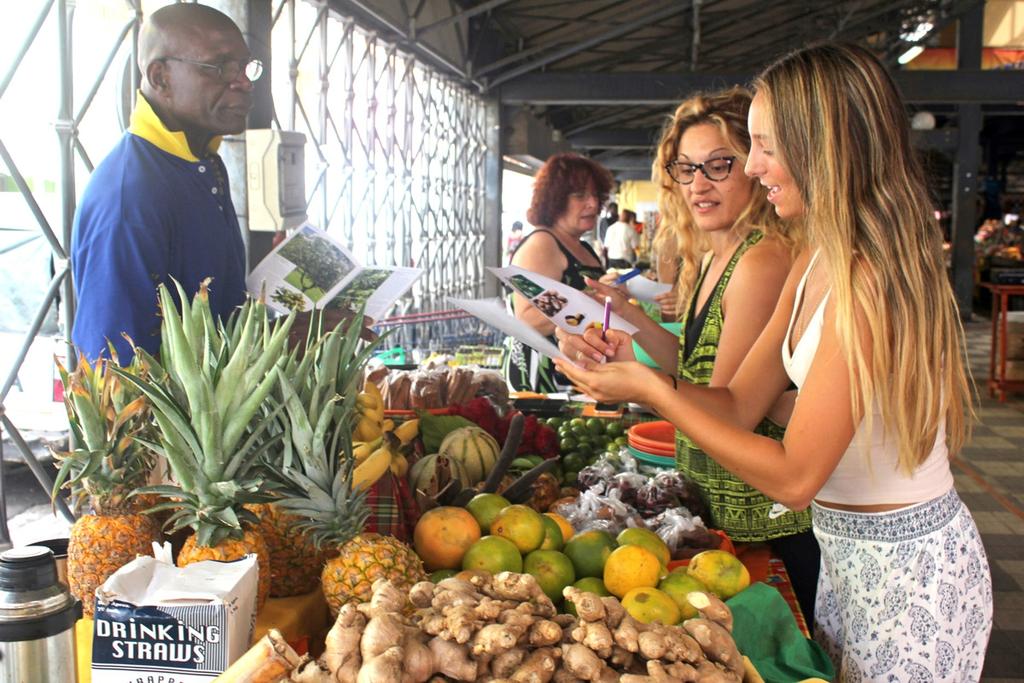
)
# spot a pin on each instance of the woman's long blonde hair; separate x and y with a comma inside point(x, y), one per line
point(841, 130)
point(727, 111)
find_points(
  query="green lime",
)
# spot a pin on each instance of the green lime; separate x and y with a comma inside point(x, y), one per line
point(580, 430)
point(567, 444)
point(574, 462)
point(595, 426)
point(485, 507)
point(589, 550)
point(552, 535)
point(577, 422)
point(493, 554)
point(614, 429)
point(621, 441)
point(442, 574)
point(553, 572)
point(535, 459)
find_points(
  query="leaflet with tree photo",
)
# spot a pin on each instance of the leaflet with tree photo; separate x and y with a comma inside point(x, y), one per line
point(568, 308)
point(309, 270)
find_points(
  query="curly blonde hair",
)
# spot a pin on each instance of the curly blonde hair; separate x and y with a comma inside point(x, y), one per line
point(841, 130)
point(727, 111)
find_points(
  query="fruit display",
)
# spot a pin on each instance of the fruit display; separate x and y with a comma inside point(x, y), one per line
point(102, 471)
point(504, 627)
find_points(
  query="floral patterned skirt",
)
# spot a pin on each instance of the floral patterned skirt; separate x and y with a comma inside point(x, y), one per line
point(904, 595)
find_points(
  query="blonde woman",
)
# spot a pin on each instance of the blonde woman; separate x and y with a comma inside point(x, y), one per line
point(735, 255)
point(868, 329)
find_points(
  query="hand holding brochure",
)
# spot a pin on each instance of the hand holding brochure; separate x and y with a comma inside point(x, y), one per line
point(309, 269)
point(568, 308)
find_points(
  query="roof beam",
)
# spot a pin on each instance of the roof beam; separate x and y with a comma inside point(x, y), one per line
point(458, 16)
point(617, 32)
point(614, 138)
point(664, 89)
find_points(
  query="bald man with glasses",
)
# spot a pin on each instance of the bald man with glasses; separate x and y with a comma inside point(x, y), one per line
point(158, 206)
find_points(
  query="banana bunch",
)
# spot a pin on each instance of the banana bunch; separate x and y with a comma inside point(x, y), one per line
point(370, 405)
point(378, 444)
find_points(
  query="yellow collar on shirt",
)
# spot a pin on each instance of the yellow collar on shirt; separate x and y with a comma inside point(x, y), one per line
point(147, 125)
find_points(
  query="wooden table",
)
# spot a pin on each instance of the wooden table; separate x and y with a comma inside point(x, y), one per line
point(997, 382)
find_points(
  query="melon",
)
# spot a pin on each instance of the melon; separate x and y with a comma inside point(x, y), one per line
point(474, 448)
point(424, 471)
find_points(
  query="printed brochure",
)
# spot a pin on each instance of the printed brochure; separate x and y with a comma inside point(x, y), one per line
point(309, 269)
point(568, 308)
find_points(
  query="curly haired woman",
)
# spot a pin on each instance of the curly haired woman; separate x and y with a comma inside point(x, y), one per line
point(735, 255)
point(568, 193)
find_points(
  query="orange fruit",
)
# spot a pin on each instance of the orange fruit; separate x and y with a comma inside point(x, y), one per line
point(520, 524)
point(552, 535)
point(493, 554)
point(677, 585)
point(443, 535)
point(485, 507)
point(629, 567)
point(646, 605)
point(722, 572)
point(563, 524)
point(588, 551)
point(645, 538)
point(590, 584)
point(553, 571)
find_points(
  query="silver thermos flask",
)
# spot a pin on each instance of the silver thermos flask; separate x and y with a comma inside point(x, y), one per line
point(37, 619)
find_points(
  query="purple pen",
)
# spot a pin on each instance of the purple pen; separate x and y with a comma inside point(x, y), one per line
point(607, 318)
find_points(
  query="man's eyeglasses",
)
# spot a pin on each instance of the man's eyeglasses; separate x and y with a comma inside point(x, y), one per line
point(717, 169)
point(227, 71)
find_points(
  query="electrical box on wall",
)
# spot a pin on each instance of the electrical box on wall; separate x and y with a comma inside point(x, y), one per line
point(275, 171)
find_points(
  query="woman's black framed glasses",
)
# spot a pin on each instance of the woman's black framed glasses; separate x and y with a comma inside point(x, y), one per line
point(715, 170)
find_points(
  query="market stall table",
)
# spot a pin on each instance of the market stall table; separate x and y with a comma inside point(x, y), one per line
point(300, 619)
point(997, 375)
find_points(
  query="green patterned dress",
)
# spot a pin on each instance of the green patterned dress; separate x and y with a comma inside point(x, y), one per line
point(737, 509)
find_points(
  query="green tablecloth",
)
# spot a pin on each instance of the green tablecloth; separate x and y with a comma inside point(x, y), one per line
point(766, 632)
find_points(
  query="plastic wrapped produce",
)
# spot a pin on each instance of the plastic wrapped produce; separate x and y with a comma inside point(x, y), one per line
point(595, 510)
point(683, 533)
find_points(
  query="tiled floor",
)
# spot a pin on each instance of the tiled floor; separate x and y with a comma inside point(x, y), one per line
point(990, 478)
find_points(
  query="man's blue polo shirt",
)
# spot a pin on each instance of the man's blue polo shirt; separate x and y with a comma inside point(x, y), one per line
point(152, 211)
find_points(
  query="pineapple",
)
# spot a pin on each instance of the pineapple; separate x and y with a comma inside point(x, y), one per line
point(319, 396)
point(366, 558)
point(295, 561)
point(103, 469)
point(207, 399)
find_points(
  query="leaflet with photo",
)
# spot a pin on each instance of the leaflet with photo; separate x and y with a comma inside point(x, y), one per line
point(568, 308)
point(309, 269)
point(494, 313)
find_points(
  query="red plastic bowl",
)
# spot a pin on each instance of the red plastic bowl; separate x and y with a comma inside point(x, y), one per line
point(653, 437)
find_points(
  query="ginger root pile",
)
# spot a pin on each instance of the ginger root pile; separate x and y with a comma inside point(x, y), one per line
point(504, 629)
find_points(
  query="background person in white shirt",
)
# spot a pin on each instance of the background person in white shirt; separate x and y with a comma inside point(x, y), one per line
point(621, 241)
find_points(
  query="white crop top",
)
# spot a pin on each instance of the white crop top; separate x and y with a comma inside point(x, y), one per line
point(868, 473)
